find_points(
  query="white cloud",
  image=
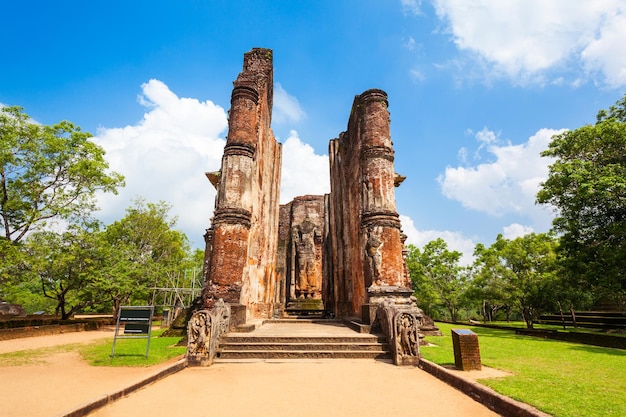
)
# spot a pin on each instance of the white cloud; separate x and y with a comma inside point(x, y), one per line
point(455, 241)
point(509, 184)
point(286, 107)
point(417, 75)
point(410, 43)
point(165, 155)
point(411, 7)
point(600, 55)
point(523, 39)
point(516, 230)
point(303, 171)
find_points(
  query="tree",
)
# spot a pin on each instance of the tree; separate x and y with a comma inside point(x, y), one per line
point(587, 186)
point(142, 250)
point(437, 276)
point(66, 265)
point(520, 273)
point(488, 288)
point(47, 172)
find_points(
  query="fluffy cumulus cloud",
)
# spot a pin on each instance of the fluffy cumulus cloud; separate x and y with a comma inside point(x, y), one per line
point(506, 185)
point(303, 171)
point(165, 155)
point(455, 241)
point(524, 39)
point(516, 230)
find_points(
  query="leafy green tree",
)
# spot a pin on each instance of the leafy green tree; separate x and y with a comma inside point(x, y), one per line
point(437, 276)
point(65, 264)
point(521, 271)
point(143, 249)
point(47, 172)
point(587, 186)
point(487, 287)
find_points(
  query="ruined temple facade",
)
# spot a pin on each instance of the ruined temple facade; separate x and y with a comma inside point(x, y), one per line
point(342, 253)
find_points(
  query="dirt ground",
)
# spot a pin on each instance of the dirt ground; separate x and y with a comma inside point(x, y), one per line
point(58, 383)
point(61, 382)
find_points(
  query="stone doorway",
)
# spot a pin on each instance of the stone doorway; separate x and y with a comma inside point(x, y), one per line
point(301, 259)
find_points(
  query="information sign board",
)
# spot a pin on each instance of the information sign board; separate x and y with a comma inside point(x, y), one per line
point(136, 322)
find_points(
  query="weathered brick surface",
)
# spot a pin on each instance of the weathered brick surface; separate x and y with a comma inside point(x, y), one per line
point(240, 256)
point(364, 228)
point(338, 248)
point(466, 350)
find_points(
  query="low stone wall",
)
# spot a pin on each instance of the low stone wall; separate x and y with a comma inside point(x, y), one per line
point(603, 340)
point(50, 329)
point(594, 339)
point(489, 398)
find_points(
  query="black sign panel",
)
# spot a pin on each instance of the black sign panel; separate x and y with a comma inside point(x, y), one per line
point(136, 328)
point(135, 314)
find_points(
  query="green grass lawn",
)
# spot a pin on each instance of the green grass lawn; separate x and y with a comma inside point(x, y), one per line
point(131, 352)
point(560, 378)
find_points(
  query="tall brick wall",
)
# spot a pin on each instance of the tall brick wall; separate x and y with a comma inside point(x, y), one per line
point(366, 243)
point(240, 256)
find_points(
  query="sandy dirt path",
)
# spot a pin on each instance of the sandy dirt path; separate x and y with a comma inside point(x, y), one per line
point(60, 382)
point(36, 342)
point(57, 383)
point(333, 387)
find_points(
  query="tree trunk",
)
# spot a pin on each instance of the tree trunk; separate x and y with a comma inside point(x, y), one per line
point(571, 309)
point(562, 316)
point(528, 317)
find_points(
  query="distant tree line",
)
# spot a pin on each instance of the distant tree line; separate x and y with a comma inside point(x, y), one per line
point(580, 263)
point(54, 256)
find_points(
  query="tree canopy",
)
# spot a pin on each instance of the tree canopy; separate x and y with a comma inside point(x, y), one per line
point(437, 276)
point(520, 273)
point(47, 172)
point(587, 186)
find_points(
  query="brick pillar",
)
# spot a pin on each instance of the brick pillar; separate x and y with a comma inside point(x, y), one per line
point(380, 224)
point(232, 218)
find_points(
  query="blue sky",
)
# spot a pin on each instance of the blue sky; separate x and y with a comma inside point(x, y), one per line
point(476, 89)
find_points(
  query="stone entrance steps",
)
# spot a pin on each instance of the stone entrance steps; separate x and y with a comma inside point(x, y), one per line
point(301, 339)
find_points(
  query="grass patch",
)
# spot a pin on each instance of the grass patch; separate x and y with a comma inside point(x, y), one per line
point(131, 352)
point(33, 356)
point(560, 378)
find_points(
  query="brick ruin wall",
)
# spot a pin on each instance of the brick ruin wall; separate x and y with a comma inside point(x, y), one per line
point(241, 245)
point(366, 242)
point(343, 248)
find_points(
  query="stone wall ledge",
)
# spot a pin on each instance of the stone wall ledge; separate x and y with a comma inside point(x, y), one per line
point(50, 329)
point(486, 396)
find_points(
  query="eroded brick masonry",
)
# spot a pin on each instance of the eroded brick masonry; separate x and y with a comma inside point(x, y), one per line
point(341, 253)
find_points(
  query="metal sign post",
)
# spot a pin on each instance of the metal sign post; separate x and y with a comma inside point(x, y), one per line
point(136, 322)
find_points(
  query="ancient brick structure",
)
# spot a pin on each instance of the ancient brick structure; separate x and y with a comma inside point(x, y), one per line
point(240, 256)
point(365, 231)
point(301, 240)
point(342, 252)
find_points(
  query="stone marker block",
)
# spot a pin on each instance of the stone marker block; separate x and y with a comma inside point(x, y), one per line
point(466, 350)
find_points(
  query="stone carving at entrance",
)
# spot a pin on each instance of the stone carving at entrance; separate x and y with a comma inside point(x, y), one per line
point(400, 324)
point(204, 330)
point(407, 334)
point(199, 333)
